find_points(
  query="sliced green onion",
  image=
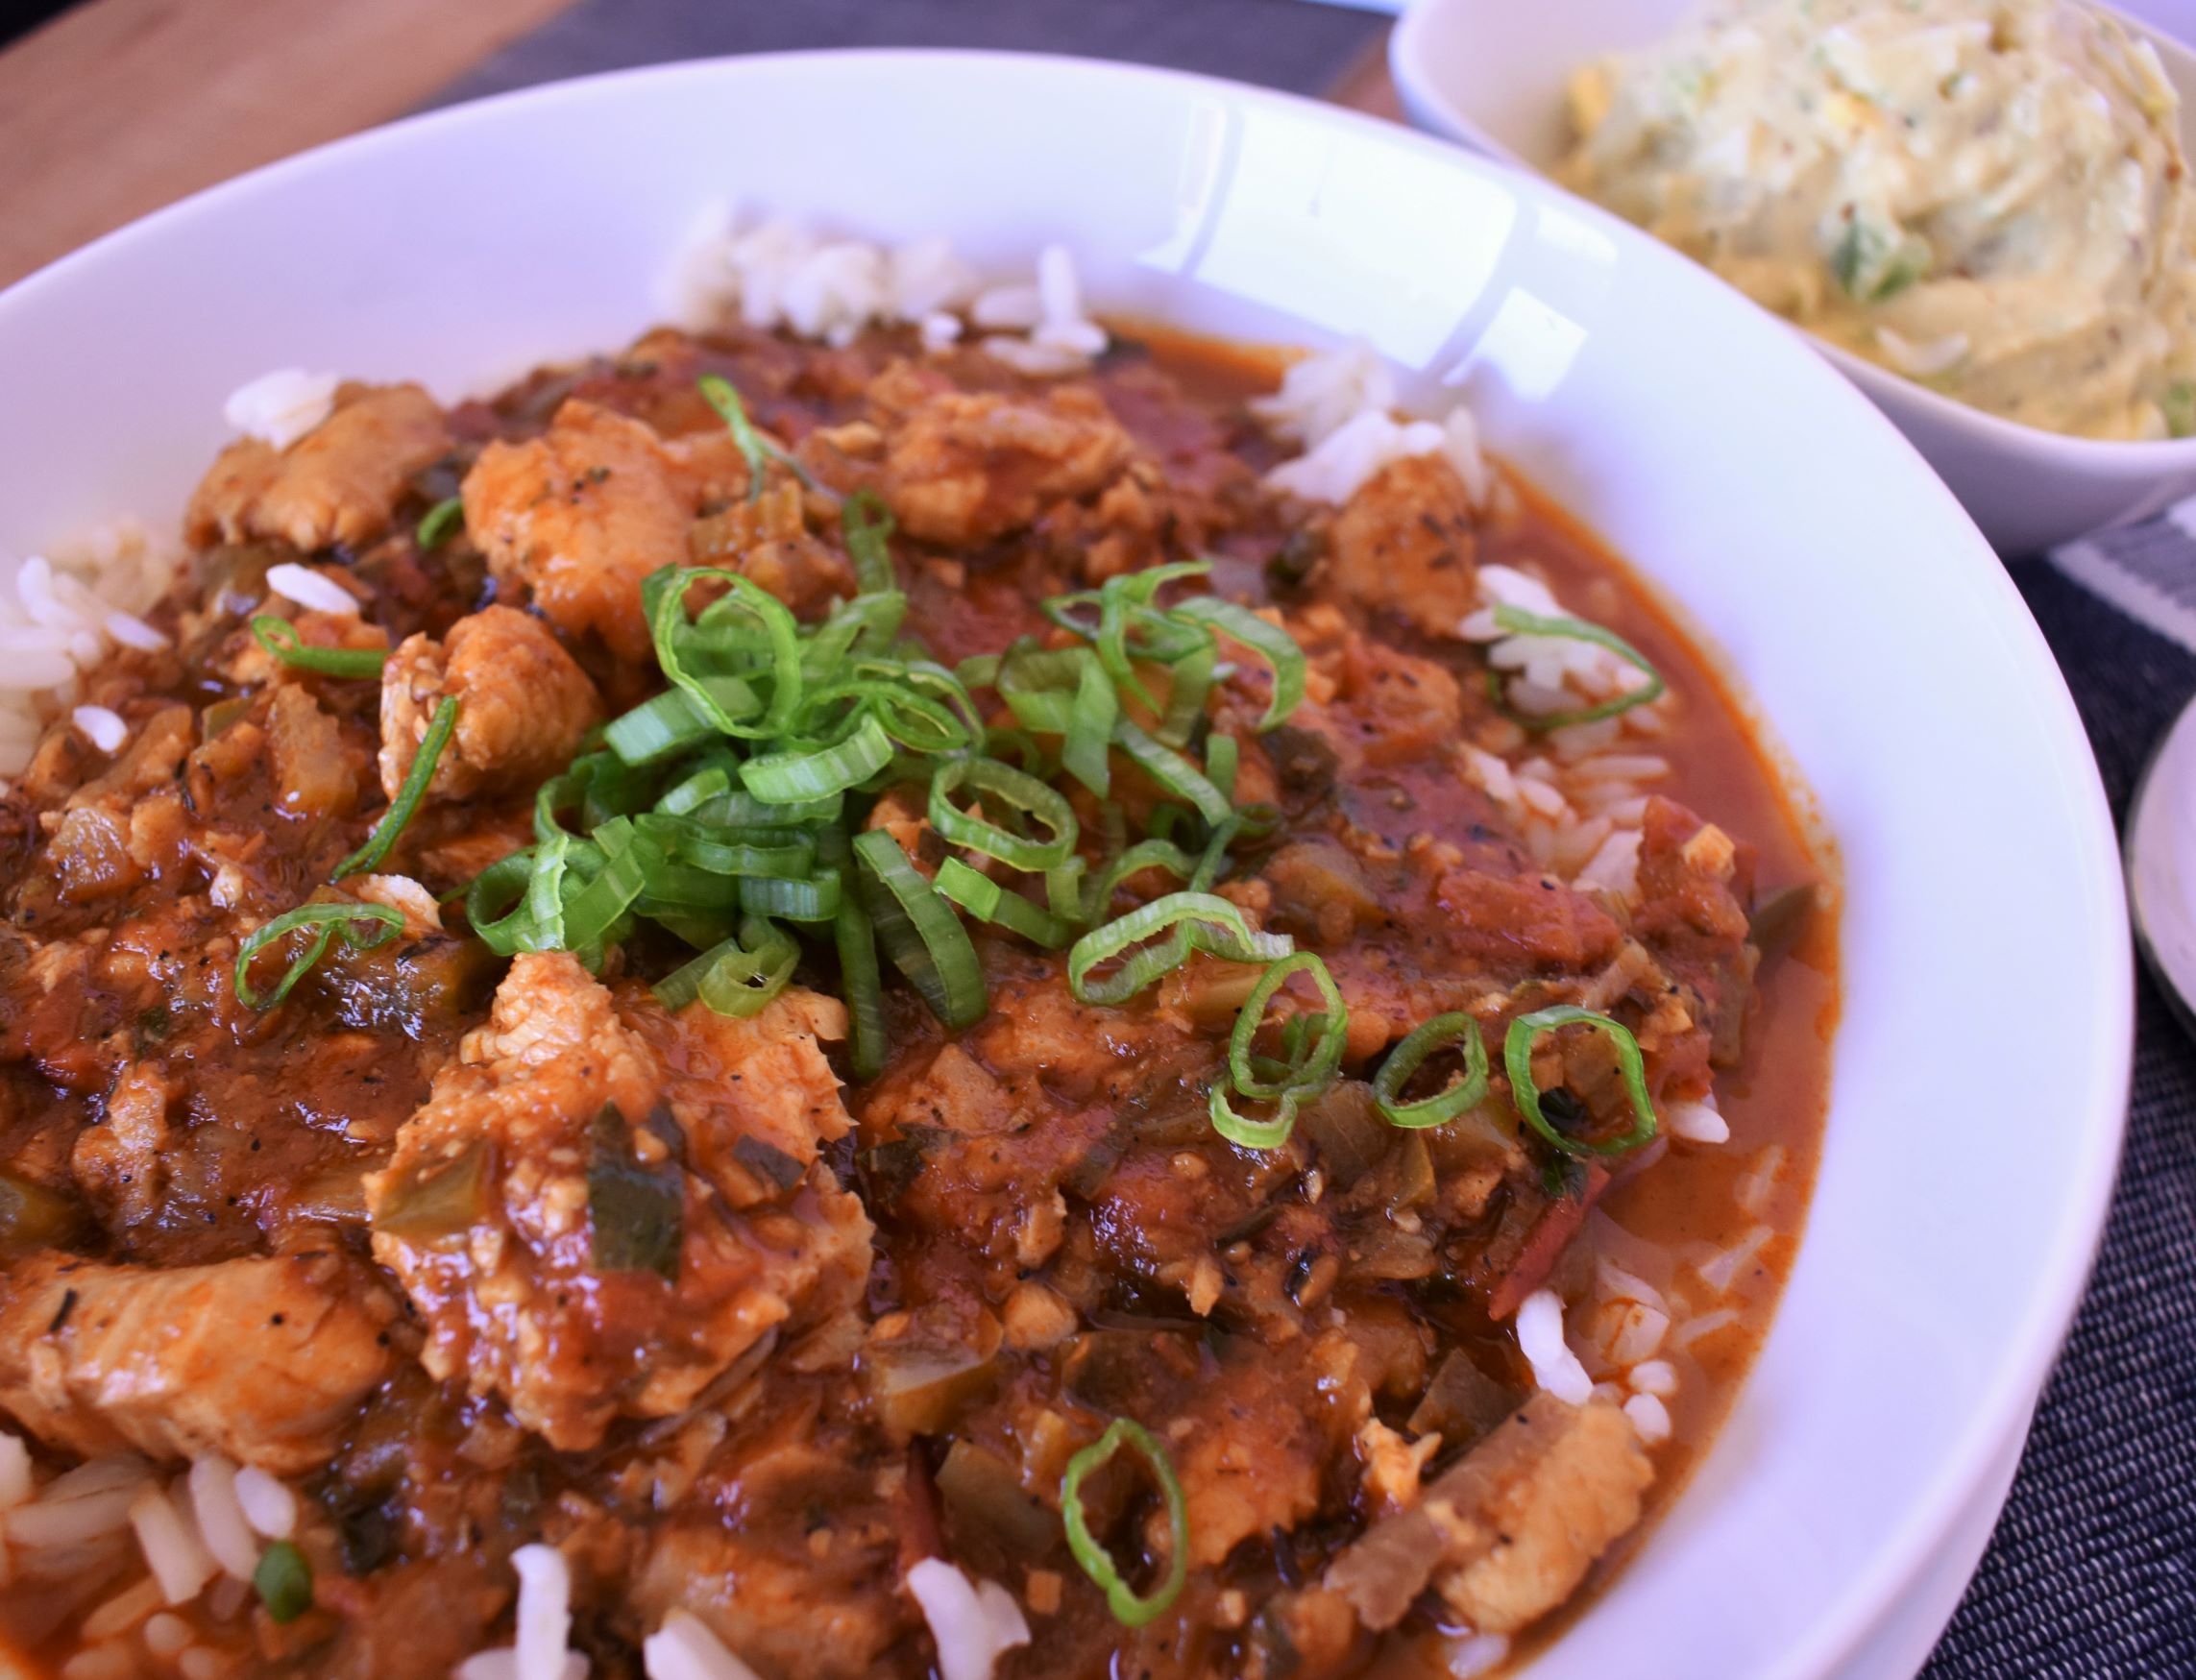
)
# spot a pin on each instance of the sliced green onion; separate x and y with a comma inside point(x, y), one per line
point(326, 921)
point(757, 451)
point(816, 899)
point(1238, 1129)
point(280, 637)
point(1145, 854)
point(1521, 622)
point(1172, 772)
point(817, 773)
point(789, 852)
point(657, 729)
point(368, 857)
point(866, 523)
point(985, 899)
point(439, 521)
point(920, 934)
point(1405, 1060)
point(284, 1581)
point(1016, 790)
point(744, 634)
point(1199, 922)
point(851, 931)
point(1223, 757)
point(1272, 644)
point(1316, 1067)
point(1085, 753)
point(1517, 1059)
point(1129, 1608)
point(739, 977)
point(1190, 687)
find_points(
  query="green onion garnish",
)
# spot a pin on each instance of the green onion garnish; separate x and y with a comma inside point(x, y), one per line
point(820, 772)
point(1303, 1074)
point(921, 932)
point(743, 637)
point(284, 1581)
point(1199, 922)
point(368, 857)
point(866, 523)
point(1129, 1608)
point(1517, 1059)
point(738, 977)
point(754, 448)
point(1002, 785)
point(1172, 772)
point(859, 978)
point(1313, 1069)
point(1268, 641)
point(439, 521)
point(1520, 622)
point(280, 637)
point(1085, 752)
point(1407, 1057)
point(985, 899)
point(362, 927)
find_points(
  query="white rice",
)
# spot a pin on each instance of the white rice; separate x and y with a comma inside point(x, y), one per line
point(1477, 1654)
point(684, 1648)
point(268, 1504)
point(542, 1641)
point(1321, 393)
point(100, 1663)
point(1708, 1324)
point(16, 1482)
point(1720, 1269)
point(1656, 1377)
point(173, 1550)
point(1696, 1122)
point(1619, 1284)
point(49, 1521)
point(103, 727)
point(1615, 866)
point(1640, 1335)
point(308, 588)
point(780, 276)
point(166, 1634)
point(122, 1612)
point(502, 1664)
point(1650, 1419)
point(65, 610)
point(972, 1623)
point(1555, 1368)
point(281, 408)
point(1753, 1192)
point(220, 1515)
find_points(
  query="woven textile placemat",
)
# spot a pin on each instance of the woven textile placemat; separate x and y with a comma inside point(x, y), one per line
point(2092, 1571)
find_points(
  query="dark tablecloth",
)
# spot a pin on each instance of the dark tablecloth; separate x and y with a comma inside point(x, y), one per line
point(2092, 1571)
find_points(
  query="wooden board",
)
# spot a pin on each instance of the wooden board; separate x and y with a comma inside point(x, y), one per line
point(121, 105)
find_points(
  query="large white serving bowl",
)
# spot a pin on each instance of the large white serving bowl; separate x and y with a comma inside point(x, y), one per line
point(1492, 73)
point(1975, 1125)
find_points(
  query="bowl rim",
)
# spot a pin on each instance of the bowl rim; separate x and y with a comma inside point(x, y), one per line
point(1872, 1594)
point(1420, 89)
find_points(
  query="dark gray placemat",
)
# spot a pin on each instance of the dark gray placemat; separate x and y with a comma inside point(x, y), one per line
point(2092, 1571)
point(1276, 43)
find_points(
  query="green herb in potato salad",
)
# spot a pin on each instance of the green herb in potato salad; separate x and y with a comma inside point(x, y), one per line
point(1988, 196)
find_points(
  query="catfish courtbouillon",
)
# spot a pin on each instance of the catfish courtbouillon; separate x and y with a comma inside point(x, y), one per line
point(845, 1009)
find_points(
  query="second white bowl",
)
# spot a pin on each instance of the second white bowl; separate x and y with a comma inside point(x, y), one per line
point(1492, 74)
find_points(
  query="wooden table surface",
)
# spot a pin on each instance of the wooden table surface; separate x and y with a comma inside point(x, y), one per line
point(119, 107)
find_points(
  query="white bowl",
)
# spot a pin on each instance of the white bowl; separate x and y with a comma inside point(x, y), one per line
point(1492, 73)
point(1966, 1172)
